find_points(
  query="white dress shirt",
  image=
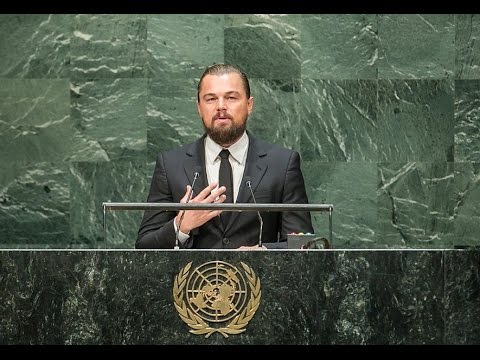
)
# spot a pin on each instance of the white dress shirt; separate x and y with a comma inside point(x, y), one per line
point(237, 158)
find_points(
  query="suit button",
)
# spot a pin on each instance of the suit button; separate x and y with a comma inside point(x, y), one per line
point(225, 241)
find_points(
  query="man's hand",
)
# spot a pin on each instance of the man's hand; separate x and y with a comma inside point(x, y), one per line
point(195, 218)
point(254, 247)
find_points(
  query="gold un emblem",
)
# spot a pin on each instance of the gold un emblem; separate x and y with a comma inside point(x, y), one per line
point(216, 297)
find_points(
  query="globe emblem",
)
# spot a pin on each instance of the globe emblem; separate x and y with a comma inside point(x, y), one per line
point(216, 291)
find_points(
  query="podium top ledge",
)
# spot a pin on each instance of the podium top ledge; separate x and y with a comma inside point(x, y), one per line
point(225, 207)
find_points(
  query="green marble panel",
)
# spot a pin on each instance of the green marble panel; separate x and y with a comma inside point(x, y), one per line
point(34, 206)
point(339, 120)
point(467, 47)
point(35, 46)
point(264, 46)
point(462, 288)
point(415, 120)
point(325, 297)
point(35, 123)
point(110, 118)
point(351, 188)
point(68, 301)
point(109, 46)
point(416, 46)
point(95, 183)
point(387, 297)
point(339, 46)
point(183, 45)
point(415, 206)
point(59, 101)
point(467, 120)
point(466, 198)
point(275, 112)
point(172, 115)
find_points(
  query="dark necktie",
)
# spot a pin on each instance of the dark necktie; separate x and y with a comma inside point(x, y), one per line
point(225, 178)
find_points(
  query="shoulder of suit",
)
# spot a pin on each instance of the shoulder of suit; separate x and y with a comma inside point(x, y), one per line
point(180, 150)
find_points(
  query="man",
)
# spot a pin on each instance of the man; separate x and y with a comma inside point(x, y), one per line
point(224, 104)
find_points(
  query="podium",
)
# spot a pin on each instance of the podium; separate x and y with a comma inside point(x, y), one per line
point(258, 297)
point(307, 296)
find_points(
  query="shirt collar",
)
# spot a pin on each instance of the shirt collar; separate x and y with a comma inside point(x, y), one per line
point(238, 151)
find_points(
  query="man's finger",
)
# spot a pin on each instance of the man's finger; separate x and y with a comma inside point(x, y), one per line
point(185, 197)
point(205, 192)
point(214, 195)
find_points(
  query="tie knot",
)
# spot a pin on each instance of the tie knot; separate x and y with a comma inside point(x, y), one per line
point(224, 154)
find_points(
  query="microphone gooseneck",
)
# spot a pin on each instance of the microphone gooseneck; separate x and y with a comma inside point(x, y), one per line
point(189, 197)
point(248, 182)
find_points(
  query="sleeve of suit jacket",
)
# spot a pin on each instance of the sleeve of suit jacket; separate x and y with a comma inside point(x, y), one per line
point(294, 193)
point(157, 230)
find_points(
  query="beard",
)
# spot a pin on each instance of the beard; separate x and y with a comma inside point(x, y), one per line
point(226, 135)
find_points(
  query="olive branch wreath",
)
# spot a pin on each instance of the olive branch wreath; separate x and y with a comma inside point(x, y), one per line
point(197, 324)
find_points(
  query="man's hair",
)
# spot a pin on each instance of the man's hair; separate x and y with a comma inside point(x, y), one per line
point(221, 69)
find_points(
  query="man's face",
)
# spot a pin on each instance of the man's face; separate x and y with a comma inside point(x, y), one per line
point(224, 107)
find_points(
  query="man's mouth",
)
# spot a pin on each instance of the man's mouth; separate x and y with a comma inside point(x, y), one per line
point(222, 117)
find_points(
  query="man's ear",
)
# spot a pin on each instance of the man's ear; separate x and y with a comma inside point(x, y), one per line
point(250, 105)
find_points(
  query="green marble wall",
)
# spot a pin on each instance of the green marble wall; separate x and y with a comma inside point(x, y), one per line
point(384, 110)
point(335, 297)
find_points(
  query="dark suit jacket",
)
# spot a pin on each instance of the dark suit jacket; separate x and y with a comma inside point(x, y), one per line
point(275, 177)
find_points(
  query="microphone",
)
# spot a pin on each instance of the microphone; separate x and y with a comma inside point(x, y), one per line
point(196, 174)
point(248, 182)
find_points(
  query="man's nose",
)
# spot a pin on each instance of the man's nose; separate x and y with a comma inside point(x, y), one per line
point(221, 104)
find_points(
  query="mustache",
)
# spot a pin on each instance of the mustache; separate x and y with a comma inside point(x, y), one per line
point(222, 115)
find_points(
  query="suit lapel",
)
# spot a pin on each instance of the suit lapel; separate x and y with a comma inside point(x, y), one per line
point(196, 160)
point(255, 167)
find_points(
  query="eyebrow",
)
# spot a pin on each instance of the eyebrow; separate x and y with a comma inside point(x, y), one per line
point(227, 93)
